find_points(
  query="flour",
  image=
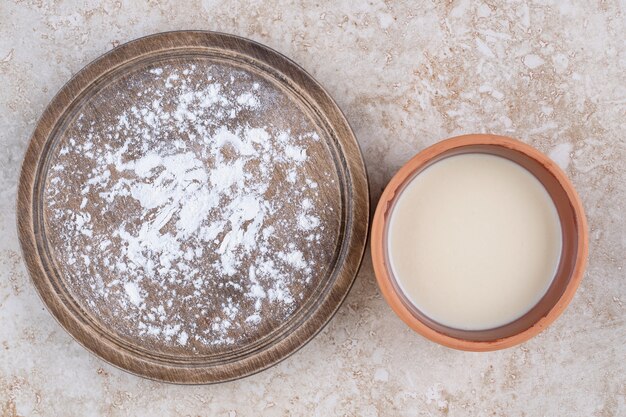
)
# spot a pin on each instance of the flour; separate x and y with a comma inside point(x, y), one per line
point(201, 213)
point(132, 291)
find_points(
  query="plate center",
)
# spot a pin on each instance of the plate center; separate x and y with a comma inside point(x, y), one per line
point(192, 206)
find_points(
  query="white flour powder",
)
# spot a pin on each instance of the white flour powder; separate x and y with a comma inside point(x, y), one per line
point(193, 186)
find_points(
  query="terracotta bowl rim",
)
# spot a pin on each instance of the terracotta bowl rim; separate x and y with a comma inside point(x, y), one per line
point(378, 241)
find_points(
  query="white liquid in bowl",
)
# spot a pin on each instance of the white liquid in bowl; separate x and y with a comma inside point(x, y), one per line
point(474, 241)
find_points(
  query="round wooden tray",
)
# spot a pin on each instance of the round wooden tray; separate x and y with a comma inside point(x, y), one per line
point(95, 235)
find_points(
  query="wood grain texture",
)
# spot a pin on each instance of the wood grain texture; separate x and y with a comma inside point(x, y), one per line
point(348, 196)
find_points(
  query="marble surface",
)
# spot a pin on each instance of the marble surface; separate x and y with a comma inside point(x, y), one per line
point(552, 73)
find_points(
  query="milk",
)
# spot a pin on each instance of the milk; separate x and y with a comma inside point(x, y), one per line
point(474, 241)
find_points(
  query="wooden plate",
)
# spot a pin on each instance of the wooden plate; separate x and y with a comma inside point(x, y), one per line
point(193, 207)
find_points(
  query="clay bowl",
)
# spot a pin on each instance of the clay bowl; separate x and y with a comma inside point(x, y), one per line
point(569, 272)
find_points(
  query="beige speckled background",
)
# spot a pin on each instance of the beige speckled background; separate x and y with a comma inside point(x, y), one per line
point(407, 75)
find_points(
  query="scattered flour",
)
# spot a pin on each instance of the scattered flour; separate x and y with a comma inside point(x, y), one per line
point(190, 211)
point(132, 291)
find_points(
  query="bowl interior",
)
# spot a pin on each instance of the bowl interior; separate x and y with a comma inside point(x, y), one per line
point(567, 263)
